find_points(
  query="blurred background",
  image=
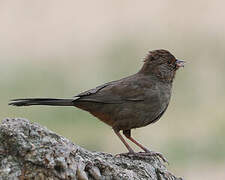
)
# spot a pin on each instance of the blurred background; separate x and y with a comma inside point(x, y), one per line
point(60, 48)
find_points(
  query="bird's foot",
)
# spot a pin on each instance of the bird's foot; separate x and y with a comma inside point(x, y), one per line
point(158, 155)
point(145, 155)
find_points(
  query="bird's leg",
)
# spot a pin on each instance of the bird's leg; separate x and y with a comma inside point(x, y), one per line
point(127, 133)
point(123, 141)
point(147, 152)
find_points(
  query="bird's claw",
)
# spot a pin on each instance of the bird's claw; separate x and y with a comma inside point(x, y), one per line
point(158, 155)
point(143, 155)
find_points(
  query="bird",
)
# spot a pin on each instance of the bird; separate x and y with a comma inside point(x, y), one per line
point(128, 103)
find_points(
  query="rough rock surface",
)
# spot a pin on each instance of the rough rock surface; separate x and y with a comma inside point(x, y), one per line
point(30, 151)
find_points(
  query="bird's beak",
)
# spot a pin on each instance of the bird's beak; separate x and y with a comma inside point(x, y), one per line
point(180, 63)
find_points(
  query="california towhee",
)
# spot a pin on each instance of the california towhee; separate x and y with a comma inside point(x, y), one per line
point(132, 102)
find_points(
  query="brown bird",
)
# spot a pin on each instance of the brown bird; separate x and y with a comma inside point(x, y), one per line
point(131, 102)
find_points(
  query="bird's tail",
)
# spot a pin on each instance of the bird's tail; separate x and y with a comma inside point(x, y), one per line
point(41, 101)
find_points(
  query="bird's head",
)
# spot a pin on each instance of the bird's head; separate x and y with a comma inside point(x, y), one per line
point(161, 63)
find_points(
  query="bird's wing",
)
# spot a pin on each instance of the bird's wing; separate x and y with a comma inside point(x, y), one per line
point(127, 89)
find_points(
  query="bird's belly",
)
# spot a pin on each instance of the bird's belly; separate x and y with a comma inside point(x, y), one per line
point(139, 114)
